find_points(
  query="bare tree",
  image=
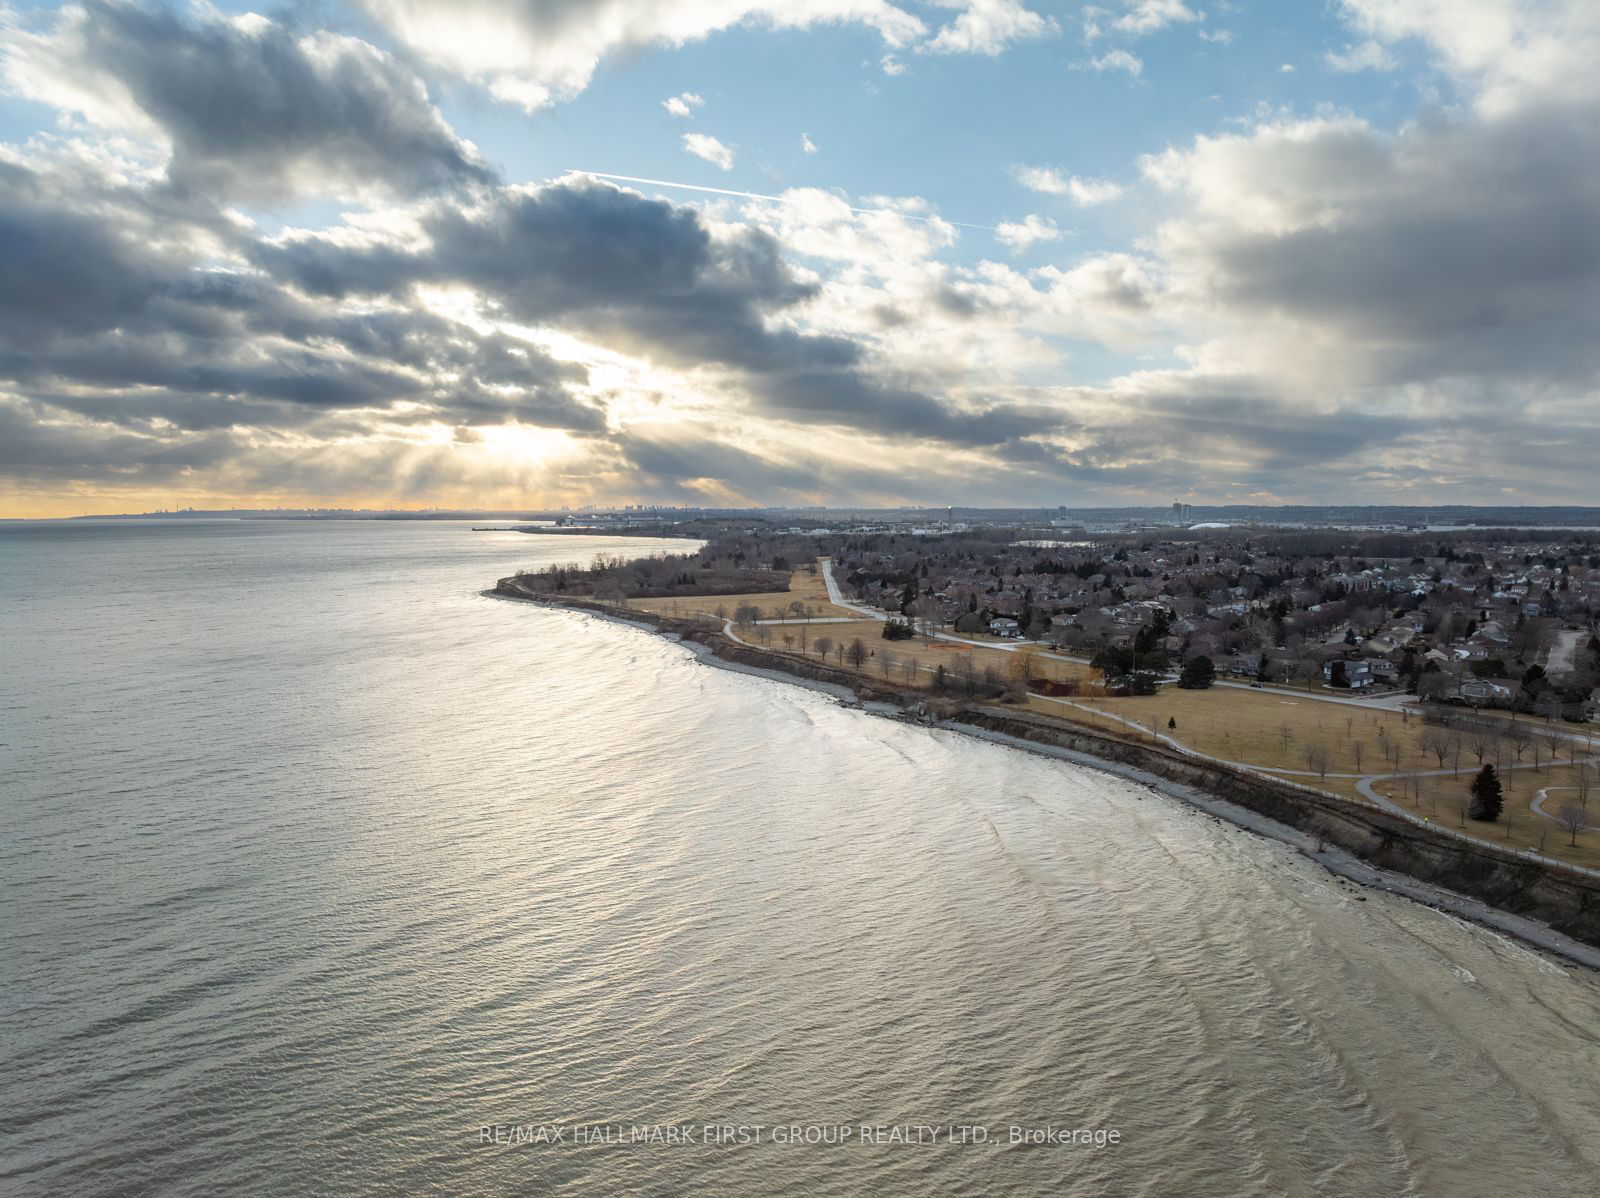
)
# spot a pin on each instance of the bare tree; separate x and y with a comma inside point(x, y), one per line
point(1479, 738)
point(1411, 784)
point(1573, 819)
point(886, 663)
point(1437, 742)
point(823, 644)
point(1553, 739)
point(1318, 760)
point(1518, 736)
point(857, 653)
point(1358, 750)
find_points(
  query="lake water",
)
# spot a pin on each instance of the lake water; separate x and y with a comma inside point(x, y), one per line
point(315, 862)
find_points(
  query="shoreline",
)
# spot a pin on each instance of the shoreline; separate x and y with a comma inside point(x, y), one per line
point(1335, 859)
point(1338, 861)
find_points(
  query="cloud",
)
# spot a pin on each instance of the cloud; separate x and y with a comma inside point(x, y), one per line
point(1118, 60)
point(534, 52)
point(244, 107)
point(1149, 16)
point(1219, 37)
point(1507, 52)
point(646, 278)
point(1363, 56)
point(117, 321)
point(1323, 306)
point(683, 105)
point(807, 145)
point(1456, 251)
point(1085, 193)
point(988, 27)
point(703, 145)
point(1021, 235)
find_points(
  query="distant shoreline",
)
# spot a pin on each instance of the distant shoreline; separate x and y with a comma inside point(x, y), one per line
point(1319, 844)
point(579, 531)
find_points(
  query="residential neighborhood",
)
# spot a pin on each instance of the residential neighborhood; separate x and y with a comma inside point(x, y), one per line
point(1504, 621)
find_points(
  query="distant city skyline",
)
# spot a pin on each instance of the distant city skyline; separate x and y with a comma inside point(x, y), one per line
point(865, 253)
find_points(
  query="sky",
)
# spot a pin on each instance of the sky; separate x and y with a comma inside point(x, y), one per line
point(532, 253)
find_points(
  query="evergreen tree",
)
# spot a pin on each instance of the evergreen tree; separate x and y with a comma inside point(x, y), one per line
point(1198, 673)
point(1486, 795)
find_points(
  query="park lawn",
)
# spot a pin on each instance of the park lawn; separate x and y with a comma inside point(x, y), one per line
point(1223, 731)
point(926, 654)
point(1273, 730)
point(870, 633)
point(804, 587)
point(1440, 799)
point(807, 585)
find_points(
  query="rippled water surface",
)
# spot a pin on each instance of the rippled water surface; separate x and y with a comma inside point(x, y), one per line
point(314, 861)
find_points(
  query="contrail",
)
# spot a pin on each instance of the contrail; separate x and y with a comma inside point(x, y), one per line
point(756, 195)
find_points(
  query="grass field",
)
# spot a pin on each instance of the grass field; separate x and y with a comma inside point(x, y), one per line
point(1519, 827)
point(804, 587)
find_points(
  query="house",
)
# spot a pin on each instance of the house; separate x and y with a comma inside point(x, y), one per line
point(1486, 693)
point(1357, 674)
point(1005, 627)
point(1591, 705)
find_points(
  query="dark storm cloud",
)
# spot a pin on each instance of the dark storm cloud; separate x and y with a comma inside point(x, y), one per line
point(1471, 249)
point(107, 313)
point(35, 445)
point(645, 275)
point(1244, 423)
point(62, 272)
point(264, 110)
point(577, 247)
